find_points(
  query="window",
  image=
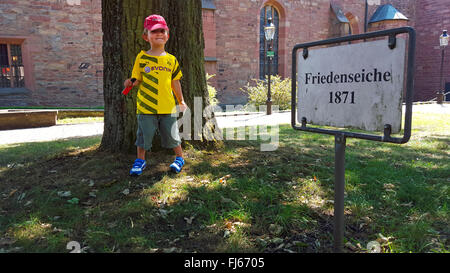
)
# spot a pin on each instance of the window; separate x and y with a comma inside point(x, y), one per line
point(12, 74)
point(266, 13)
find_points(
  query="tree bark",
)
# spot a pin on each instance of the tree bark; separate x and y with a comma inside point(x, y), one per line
point(122, 24)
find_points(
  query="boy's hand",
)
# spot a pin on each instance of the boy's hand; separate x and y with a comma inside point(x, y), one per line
point(128, 83)
point(183, 106)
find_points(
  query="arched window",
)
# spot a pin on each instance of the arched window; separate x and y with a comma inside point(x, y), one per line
point(266, 13)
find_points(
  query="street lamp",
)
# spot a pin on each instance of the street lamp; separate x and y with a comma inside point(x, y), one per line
point(443, 42)
point(269, 31)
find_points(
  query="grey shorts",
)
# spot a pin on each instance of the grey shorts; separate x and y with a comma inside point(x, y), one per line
point(165, 124)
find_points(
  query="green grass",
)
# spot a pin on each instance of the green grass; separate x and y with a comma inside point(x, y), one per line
point(234, 199)
point(52, 107)
point(79, 120)
point(30, 153)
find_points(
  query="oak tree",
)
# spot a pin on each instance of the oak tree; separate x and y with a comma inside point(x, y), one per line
point(122, 25)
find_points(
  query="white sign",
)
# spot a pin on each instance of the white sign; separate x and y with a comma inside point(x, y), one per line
point(357, 86)
point(373, 2)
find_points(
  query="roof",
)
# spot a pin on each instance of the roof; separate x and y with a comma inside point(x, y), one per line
point(387, 12)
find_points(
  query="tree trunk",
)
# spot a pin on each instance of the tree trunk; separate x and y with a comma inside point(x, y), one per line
point(122, 24)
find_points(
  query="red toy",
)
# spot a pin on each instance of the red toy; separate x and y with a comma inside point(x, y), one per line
point(127, 89)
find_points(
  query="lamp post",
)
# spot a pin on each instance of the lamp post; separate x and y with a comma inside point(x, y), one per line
point(443, 42)
point(366, 9)
point(269, 31)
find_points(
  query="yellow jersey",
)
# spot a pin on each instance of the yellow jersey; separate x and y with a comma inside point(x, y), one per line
point(156, 73)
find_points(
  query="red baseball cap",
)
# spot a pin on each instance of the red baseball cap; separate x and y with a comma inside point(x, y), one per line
point(155, 21)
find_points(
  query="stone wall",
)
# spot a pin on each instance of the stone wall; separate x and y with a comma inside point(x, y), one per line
point(301, 21)
point(209, 32)
point(62, 49)
point(62, 43)
point(432, 18)
point(238, 45)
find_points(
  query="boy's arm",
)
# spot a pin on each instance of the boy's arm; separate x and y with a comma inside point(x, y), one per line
point(176, 87)
point(135, 73)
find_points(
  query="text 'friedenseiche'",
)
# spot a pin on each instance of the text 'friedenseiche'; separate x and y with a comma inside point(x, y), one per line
point(363, 76)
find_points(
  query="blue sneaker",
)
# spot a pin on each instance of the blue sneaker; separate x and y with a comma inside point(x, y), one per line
point(138, 166)
point(177, 165)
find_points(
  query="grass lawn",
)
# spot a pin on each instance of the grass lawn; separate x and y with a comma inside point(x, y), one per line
point(79, 120)
point(236, 199)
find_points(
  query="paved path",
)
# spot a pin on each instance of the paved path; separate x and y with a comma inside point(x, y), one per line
point(224, 121)
point(432, 108)
point(51, 133)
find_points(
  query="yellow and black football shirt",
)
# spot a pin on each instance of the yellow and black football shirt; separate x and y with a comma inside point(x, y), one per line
point(156, 73)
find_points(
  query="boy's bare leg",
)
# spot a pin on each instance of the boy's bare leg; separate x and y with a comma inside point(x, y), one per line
point(178, 151)
point(141, 153)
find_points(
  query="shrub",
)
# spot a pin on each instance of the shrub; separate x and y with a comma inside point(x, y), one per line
point(280, 90)
point(211, 91)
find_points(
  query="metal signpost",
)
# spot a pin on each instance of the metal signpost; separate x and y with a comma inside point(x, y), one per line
point(357, 85)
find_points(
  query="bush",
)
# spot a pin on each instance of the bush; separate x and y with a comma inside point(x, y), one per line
point(211, 91)
point(280, 90)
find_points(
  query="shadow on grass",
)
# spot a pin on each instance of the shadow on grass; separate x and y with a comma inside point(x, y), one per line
point(25, 153)
point(237, 199)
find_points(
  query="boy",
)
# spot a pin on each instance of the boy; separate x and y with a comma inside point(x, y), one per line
point(157, 73)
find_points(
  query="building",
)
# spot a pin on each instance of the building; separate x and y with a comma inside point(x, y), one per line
point(51, 53)
point(51, 50)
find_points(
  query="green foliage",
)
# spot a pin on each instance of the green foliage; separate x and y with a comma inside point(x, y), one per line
point(211, 91)
point(280, 90)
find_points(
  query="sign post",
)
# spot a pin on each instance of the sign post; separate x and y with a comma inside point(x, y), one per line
point(339, 190)
point(353, 86)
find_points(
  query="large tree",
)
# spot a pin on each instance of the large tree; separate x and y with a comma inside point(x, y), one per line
point(122, 24)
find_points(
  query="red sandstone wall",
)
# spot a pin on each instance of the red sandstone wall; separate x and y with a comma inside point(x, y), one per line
point(209, 33)
point(237, 44)
point(59, 35)
point(237, 24)
point(432, 18)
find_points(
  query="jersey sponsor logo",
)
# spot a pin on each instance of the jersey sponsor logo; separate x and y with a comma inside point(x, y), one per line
point(148, 69)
